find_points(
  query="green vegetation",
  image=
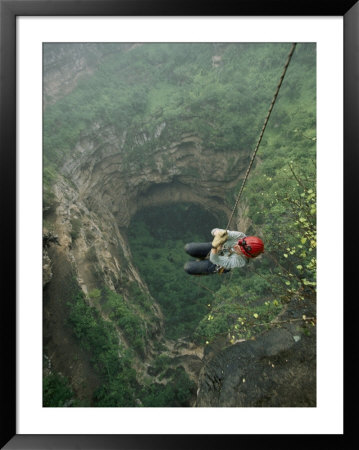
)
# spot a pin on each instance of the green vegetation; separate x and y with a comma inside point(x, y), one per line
point(48, 177)
point(76, 227)
point(100, 339)
point(157, 238)
point(126, 319)
point(138, 91)
point(284, 214)
point(234, 317)
point(176, 89)
point(113, 363)
point(57, 391)
point(175, 393)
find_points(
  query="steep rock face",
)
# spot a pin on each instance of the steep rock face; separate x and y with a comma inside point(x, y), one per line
point(277, 369)
point(92, 253)
point(62, 352)
point(93, 244)
point(184, 171)
point(46, 268)
point(92, 238)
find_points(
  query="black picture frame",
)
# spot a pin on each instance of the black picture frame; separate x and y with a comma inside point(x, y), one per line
point(9, 10)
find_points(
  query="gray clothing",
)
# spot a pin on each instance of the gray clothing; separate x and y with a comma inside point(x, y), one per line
point(227, 257)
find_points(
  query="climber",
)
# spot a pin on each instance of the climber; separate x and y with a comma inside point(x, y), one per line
point(228, 250)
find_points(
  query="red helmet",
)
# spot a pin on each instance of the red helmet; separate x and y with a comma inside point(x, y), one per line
point(251, 246)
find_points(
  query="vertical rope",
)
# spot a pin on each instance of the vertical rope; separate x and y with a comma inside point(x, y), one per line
point(262, 131)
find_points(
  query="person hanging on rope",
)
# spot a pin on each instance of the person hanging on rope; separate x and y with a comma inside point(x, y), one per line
point(228, 250)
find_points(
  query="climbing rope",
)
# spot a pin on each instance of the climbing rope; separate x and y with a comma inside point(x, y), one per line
point(262, 131)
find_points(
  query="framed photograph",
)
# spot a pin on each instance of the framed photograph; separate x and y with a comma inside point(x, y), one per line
point(143, 143)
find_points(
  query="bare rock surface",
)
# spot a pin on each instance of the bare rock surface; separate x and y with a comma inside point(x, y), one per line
point(277, 369)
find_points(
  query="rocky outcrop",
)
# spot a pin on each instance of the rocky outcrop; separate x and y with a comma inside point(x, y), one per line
point(277, 369)
point(46, 268)
point(183, 172)
point(93, 244)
